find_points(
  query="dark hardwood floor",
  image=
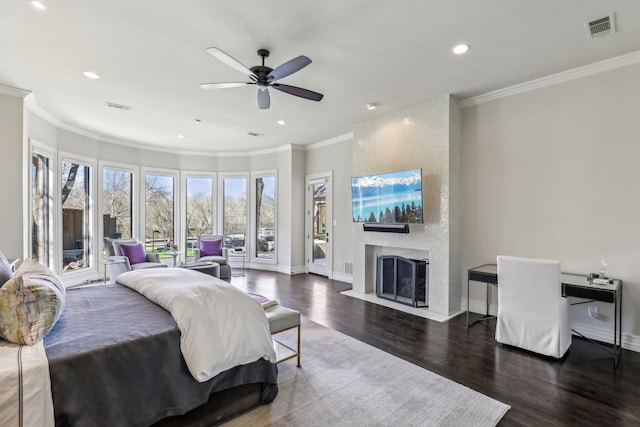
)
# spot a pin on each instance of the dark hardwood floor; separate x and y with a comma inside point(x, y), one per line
point(580, 390)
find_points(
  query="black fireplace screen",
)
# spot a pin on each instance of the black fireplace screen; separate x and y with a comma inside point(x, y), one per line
point(403, 280)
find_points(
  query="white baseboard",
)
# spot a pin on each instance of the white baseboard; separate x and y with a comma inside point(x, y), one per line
point(291, 270)
point(602, 333)
point(343, 277)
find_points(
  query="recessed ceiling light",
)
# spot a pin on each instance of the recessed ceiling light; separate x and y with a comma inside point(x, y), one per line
point(91, 75)
point(460, 49)
point(281, 122)
point(197, 121)
point(38, 5)
point(372, 105)
point(181, 136)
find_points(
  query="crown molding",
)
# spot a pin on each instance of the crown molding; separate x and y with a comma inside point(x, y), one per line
point(328, 142)
point(14, 91)
point(33, 107)
point(553, 79)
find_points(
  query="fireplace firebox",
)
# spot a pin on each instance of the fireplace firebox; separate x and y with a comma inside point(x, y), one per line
point(403, 280)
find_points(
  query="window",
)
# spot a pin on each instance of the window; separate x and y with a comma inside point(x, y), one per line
point(42, 209)
point(234, 211)
point(76, 215)
point(199, 208)
point(159, 190)
point(117, 203)
point(265, 215)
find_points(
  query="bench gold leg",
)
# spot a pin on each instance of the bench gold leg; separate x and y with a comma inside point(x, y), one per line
point(298, 346)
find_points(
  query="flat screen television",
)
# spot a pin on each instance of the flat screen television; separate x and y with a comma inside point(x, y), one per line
point(388, 198)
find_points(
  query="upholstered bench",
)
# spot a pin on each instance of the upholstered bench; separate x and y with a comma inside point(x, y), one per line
point(282, 319)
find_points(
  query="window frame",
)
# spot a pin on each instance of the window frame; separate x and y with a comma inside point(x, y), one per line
point(86, 274)
point(37, 148)
point(173, 173)
point(254, 216)
point(185, 175)
point(221, 178)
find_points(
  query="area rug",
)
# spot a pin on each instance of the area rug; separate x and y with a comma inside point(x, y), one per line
point(345, 382)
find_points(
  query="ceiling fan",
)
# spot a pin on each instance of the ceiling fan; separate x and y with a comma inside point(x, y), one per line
point(264, 77)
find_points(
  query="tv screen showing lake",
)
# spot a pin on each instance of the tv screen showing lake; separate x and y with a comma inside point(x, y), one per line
point(388, 198)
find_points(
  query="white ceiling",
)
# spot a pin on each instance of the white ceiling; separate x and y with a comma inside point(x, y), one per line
point(151, 56)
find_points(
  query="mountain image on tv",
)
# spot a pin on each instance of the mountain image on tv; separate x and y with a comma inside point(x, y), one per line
point(389, 198)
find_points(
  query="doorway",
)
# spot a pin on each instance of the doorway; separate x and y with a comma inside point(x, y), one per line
point(318, 224)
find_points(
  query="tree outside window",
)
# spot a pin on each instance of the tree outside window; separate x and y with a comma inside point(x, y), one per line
point(159, 212)
point(265, 217)
point(199, 208)
point(76, 216)
point(234, 211)
point(41, 209)
point(117, 202)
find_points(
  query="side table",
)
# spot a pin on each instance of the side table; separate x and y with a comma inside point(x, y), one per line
point(174, 255)
point(111, 262)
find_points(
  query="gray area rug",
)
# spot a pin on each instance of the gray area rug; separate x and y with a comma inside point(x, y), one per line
point(345, 382)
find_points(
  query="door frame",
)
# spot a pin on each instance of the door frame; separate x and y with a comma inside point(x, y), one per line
point(327, 177)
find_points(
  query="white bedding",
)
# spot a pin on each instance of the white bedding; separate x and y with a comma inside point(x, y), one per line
point(25, 387)
point(220, 325)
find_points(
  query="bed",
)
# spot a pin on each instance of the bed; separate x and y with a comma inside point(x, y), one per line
point(115, 359)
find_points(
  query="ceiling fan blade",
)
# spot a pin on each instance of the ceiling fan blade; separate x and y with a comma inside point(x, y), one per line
point(289, 67)
point(264, 100)
point(298, 91)
point(224, 85)
point(217, 53)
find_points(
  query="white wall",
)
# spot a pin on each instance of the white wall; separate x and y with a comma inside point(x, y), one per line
point(11, 191)
point(553, 173)
point(337, 158)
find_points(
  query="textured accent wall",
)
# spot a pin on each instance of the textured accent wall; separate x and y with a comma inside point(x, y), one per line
point(426, 136)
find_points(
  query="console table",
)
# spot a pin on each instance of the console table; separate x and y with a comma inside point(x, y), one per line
point(572, 285)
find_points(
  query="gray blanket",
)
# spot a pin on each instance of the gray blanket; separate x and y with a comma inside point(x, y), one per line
point(115, 360)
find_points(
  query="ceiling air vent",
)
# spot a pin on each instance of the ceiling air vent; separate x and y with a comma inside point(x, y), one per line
point(118, 106)
point(601, 27)
point(254, 134)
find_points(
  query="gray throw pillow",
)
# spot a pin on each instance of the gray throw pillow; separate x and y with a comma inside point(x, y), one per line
point(30, 303)
point(6, 272)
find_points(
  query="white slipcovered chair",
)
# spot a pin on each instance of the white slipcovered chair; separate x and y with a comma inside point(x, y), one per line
point(119, 263)
point(532, 314)
point(222, 259)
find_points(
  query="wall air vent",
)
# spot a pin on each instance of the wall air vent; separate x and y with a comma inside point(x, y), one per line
point(348, 267)
point(118, 106)
point(601, 27)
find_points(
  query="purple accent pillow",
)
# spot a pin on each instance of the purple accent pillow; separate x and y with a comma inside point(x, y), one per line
point(135, 252)
point(211, 247)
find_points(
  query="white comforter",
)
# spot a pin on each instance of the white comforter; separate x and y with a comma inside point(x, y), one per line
point(221, 326)
point(25, 387)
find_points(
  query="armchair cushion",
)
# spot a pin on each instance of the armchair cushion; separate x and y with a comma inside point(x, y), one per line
point(211, 247)
point(153, 257)
point(142, 265)
point(135, 252)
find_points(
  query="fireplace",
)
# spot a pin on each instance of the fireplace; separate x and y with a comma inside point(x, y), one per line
point(403, 280)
